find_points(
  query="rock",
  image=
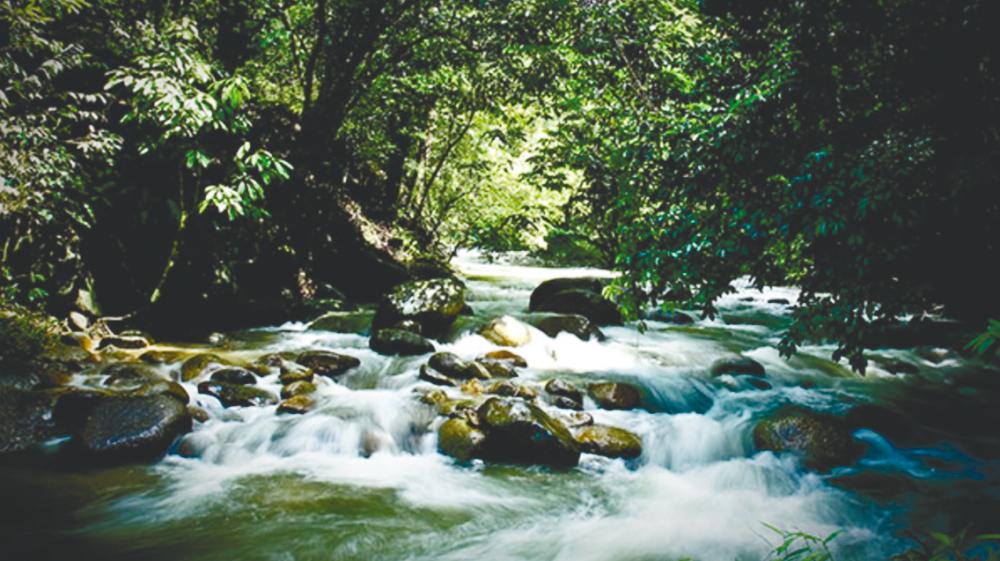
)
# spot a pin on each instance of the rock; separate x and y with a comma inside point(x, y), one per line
point(327, 363)
point(234, 375)
point(507, 332)
point(737, 366)
point(614, 395)
point(759, 384)
point(496, 368)
point(467, 311)
point(297, 405)
point(668, 316)
point(935, 355)
point(460, 440)
point(298, 387)
point(574, 419)
point(290, 372)
point(569, 396)
point(26, 419)
point(573, 324)
point(408, 325)
point(399, 342)
point(612, 442)
point(233, 395)
point(128, 374)
point(161, 357)
point(823, 441)
point(503, 355)
point(123, 342)
point(779, 301)
point(201, 364)
point(168, 388)
point(433, 303)
point(519, 432)
point(453, 367)
point(510, 389)
point(198, 414)
point(589, 304)
point(123, 429)
point(551, 287)
point(428, 374)
point(428, 268)
point(901, 367)
point(79, 321)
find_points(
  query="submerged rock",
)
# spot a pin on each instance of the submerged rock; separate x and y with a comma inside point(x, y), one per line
point(737, 366)
point(551, 287)
point(327, 363)
point(668, 316)
point(573, 324)
point(123, 429)
point(234, 375)
point(612, 442)
point(507, 332)
point(234, 395)
point(519, 432)
point(297, 405)
point(291, 372)
point(433, 303)
point(614, 395)
point(341, 322)
point(589, 304)
point(822, 440)
point(453, 367)
point(460, 440)
point(201, 364)
point(503, 355)
point(298, 387)
point(399, 342)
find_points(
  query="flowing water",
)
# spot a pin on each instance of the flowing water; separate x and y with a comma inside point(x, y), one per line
point(359, 477)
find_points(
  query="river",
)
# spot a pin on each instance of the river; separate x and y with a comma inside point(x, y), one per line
point(359, 477)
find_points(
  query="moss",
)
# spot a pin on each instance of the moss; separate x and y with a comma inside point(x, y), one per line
point(25, 335)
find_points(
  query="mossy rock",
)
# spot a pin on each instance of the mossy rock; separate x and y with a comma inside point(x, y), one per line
point(298, 387)
point(433, 303)
point(737, 366)
point(460, 440)
point(823, 441)
point(399, 342)
point(519, 432)
point(614, 395)
point(126, 429)
point(201, 364)
point(234, 395)
point(297, 405)
point(574, 324)
point(327, 363)
point(612, 442)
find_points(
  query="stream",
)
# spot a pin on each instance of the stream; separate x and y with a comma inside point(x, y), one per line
point(360, 478)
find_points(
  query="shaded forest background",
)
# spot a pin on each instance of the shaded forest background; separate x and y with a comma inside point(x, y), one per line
point(205, 165)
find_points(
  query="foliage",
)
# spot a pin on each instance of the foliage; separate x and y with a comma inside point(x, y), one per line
point(25, 334)
point(987, 340)
point(801, 546)
point(960, 546)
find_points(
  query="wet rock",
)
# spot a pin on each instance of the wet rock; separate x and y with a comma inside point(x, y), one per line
point(198, 414)
point(298, 387)
point(737, 366)
point(551, 287)
point(460, 440)
point(276, 359)
point(574, 419)
point(167, 388)
point(123, 342)
point(327, 363)
point(467, 311)
point(591, 305)
point(433, 303)
point(519, 432)
point(614, 395)
point(409, 325)
point(503, 355)
point(233, 395)
point(612, 442)
point(201, 364)
point(297, 405)
point(901, 367)
point(759, 384)
point(510, 389)
point(399, 342)
point(668, 316)
point(234, 375)
point(564, 394)
point(497, 368)
point(934, 355)
point(161, 357)
point(128, 374)
point(472, 387)
point(453, 367)
point(507, 332)
point(779, 301)
point(26, 419)
point(431, 375)
point(341, 322)
point(822, 440)
point(124, 429)
point(573, 324)
point(290, 372)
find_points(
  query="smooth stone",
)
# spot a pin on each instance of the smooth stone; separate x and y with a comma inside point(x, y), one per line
point(497, 368)
point(551, 287)
point(128, 374)
point(507, 332)
point(298, 387)
point(200, 364)
point(612, 442)
point(433, 303)
point(234, 375)
point(510, 389)
point(460, 440)
point(431, 375)
point(591, 305)
point(737, 366)
point(341, 322)
point(557, 387)
point(399, 342)
point(614, 395)
point(822, 440)
point(452, 366)
point(503, 355)
point(574, 324)
point(233, 395)
point(297, 405)
point(519, 432)
point(290, 372)
point(198, 414)
point(126, 429)
point(161, 357)
point(327, 363)
point(668, 316)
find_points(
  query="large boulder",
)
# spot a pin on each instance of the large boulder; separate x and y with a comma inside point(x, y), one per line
point(737, 366)
point(591, 305)
point(612, 442)
point(235, 395)
point(327, 363)
point(551, 287)
point(822, 440)
point(122, 429)
point(454, 367)
point(433, 303)
point(573, 324)
point(399, 342)
point(507, 332)
point(519, 432)
point(614, 395)
point(26, 419)
point(460, 440)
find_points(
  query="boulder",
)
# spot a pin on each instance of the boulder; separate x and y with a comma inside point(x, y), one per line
point(612, 442)
point(433, 303)
point(341, 322)
point(518, 432)
point(737, 366)
point(822, 440)
point(507, 332)
point(574, 419)
point(453, 367)
point(460, 440)
point(297, 405)
point(291, 372)
point(128, 374)
point(399, 342)
point(123, 429)
point(589, 304)
point(234, 395)
point(573, 324)
point(497, 368)
point(564, 394)
point(551, 287)
point(168, 388)
point(201, 364)
point(668, 316)
point(298, 387)
point(428, 374)
point(327, 363)
point(503, 355)
point(26, 419)
point(510, 389)
point(614, 395)
point(234, 375)
point(409, 325)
